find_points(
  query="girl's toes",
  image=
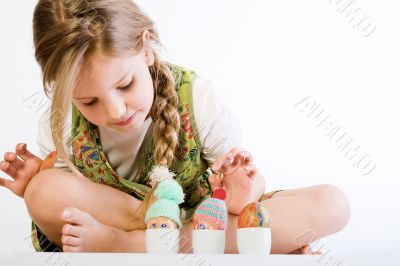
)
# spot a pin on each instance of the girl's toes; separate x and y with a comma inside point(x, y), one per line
point(69, 240)
point(67, 248)
point(71, 230)
point(76, 216)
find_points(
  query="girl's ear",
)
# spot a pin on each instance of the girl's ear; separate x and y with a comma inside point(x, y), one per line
point(148, 53)
point(148, 50)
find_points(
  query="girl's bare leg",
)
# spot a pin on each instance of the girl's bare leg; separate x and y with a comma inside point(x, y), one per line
point(301, 216)
point(50, 191)
point(298, 217)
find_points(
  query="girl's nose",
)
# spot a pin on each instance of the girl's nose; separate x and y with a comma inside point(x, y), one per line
point(116, 108)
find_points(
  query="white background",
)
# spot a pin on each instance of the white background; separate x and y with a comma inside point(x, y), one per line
point(264, 57)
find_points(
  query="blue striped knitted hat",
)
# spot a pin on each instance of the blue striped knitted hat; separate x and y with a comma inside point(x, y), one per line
point(212, 211)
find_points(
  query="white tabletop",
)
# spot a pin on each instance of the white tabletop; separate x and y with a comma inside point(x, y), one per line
point(84, 259)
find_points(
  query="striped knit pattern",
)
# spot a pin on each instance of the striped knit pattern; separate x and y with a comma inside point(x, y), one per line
point(212, 211)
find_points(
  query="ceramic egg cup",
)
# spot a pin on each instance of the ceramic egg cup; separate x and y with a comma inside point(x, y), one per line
point(208, 241)
point(254, 240)
point(162, 240)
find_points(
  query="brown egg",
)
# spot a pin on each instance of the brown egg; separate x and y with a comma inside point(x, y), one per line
point(254, 215)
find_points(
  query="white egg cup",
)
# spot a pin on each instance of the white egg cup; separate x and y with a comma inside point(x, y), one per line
point(208, 241)
point(254, 240)
point(162, 240)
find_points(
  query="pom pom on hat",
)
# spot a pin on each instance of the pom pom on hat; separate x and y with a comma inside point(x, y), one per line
point(160, 173)
point(219, 193)
point(170, 190)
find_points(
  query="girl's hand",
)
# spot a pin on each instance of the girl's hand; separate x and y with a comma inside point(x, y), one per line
point(234, 159)
point(235, 173)
point(22, 166)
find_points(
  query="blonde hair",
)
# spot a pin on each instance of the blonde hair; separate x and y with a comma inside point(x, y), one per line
point(67, 32)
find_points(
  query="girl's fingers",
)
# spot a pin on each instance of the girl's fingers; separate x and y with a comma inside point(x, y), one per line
point(246, 157)
point(240, 157)
point(215, 167)
point(17, 164)
point(218, 163)
point(229, 165)
point(49, 161)
point(229, 162)
point(215, 181)
point(251, 170)
point(10, 156)
point(13, 160)
point(21, 150)
point(237, 158)
point(8, 169)
point(5, 183)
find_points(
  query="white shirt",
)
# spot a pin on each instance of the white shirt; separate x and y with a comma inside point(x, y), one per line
point(218, 130)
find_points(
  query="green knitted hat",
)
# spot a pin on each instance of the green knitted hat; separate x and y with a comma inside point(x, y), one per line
point(169, 195)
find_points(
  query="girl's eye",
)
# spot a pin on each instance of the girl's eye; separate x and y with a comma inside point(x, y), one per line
point(202, 226)
point(163, 225)
point(126, 87)
point(90, 103)
point(153, 225)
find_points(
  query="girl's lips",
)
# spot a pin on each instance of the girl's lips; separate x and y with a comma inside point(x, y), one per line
point(128, 121)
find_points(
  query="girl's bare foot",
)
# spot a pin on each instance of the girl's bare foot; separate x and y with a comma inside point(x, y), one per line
point(83, 233)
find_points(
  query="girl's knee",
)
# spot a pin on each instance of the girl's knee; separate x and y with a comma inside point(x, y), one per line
point(48, 187)
point(334, 205)
point(45, 197)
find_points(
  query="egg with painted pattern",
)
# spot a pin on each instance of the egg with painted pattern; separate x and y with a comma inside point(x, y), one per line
point(254, 215)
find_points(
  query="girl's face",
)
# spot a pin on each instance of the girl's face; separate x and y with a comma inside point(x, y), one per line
point(116, 92)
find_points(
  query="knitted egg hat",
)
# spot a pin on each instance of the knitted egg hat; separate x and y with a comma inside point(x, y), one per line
point(169, 195)
point(212, 211)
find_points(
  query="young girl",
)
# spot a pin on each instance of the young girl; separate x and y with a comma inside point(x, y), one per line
point(117, 110)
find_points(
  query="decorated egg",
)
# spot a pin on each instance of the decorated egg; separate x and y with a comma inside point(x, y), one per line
point(254, 215)
point(211, 214)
